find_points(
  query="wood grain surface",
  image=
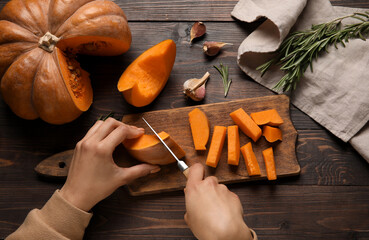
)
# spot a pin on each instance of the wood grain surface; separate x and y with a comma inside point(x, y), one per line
point(328, 200)
point(175, 123)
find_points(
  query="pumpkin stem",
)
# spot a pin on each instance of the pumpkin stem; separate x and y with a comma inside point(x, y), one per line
point(48, 42)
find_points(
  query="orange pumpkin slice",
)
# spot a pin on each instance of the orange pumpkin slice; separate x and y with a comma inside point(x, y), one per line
point(268, 117)
point(272, 134)
point(233, 140)
point(269, 163)
point(200, 128)
point(251, 162)
point(149, 149)
point(246, 124)
point(216, 146)
point(144, 79)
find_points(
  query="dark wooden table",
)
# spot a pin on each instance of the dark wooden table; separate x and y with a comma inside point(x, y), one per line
point(329, 200)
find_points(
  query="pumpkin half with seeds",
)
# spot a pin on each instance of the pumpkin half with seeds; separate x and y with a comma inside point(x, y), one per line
point(39, 39)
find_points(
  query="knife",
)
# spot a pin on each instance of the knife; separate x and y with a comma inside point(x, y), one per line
point(57, 165)
point(181, 164)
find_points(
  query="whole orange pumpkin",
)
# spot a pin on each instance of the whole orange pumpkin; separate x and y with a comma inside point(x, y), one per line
point(39, 39)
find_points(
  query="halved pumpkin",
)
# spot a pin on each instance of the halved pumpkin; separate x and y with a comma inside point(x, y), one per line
point(39, 75)
point(149, 149)
point(146, 76)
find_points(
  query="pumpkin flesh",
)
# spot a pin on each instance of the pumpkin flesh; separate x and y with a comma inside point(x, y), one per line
point(93, 45)
point(149, 149)
point(145, 77)
point(76, 80)
point(200, 128)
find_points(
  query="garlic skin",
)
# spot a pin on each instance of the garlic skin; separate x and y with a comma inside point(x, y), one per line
point(198, 29)
point(195, 88)
point(212, 48)
point(196, 95)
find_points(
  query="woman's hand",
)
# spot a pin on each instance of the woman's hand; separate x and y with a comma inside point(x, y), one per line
point(93, 174)
point(213, 212)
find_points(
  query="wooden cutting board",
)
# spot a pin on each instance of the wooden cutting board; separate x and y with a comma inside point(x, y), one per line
point(175, 123)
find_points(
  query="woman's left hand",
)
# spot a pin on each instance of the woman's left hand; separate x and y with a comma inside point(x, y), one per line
point(93, 174)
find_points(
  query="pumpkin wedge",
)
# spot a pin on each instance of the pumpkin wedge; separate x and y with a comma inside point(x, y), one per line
point(146, 76)
point(246, 124)
point(233, 139)
point(216, 146)
point(272, 134)
point(268, 117)
point(39, 40)
point(251, 162)
point(149, 149)
point(200, 128)
point(269, 163)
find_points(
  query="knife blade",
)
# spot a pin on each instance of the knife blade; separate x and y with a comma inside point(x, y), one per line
point(181, 164)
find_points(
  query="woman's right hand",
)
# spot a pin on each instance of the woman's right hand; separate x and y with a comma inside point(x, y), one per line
point(213, 212)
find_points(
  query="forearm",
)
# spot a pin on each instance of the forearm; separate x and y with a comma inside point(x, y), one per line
point(58, 219)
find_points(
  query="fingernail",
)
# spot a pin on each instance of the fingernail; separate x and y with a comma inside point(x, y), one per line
point(155, 170)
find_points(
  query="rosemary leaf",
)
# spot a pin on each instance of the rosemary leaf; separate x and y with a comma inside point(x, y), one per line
point(299, 49)
point(223, 70)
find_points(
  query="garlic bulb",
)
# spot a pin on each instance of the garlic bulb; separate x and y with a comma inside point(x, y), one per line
point(195, 88)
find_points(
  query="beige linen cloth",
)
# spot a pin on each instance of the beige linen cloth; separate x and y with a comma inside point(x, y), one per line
point(336, 94)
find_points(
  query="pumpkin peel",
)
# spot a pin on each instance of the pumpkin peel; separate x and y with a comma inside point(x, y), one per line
point(60, 10)
point(49, 96)
point(19, 95)
point(31, 15)
point(58, 91)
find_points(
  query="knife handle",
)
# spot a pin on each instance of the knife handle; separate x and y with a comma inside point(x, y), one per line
point(185, 172)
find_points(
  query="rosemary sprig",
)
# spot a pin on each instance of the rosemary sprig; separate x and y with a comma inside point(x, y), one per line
point(223, 70)
point(299, 49)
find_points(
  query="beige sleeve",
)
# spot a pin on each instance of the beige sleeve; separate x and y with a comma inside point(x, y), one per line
point(57, 220)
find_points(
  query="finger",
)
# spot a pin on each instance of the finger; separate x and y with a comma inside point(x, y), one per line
point(195, 175)
point(118, 135)
point(186, 218)
point(93, 129)
point(223, 188)
point(212, 180)
point(105, 129)
point(127, 175)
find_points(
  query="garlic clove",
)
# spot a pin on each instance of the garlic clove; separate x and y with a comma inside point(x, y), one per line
point(199, 93)
point(195, 88)
point(213, 48)
point(198, 29)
